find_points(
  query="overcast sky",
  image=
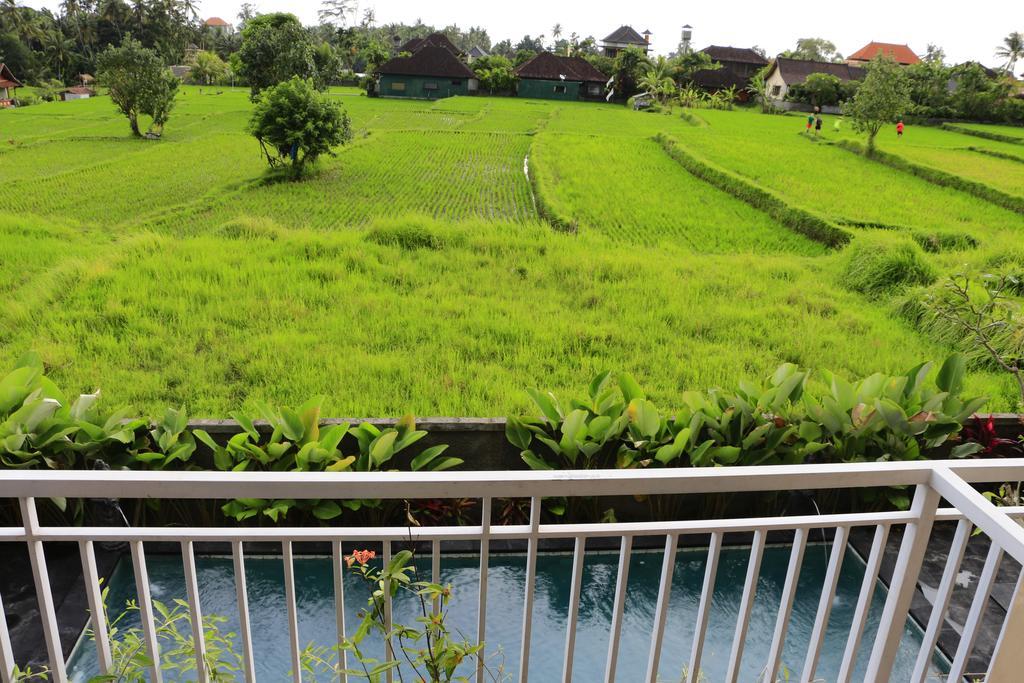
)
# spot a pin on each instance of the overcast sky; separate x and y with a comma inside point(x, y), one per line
point(970, 32)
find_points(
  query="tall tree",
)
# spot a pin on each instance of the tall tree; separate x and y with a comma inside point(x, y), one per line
point(1012, 50)
point(815, 50)
point(139, 83)
point(337, 12)
point(882, 98)
point(275, 47)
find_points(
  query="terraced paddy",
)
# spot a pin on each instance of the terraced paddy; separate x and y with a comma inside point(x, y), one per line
point(423, 269)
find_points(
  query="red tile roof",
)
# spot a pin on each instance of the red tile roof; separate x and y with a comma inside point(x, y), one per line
point(901, 53)
point(216, 21)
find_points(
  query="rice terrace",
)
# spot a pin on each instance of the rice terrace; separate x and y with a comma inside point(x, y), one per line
point(458, 251)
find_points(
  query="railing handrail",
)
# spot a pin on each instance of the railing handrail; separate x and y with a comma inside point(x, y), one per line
point(503, 484)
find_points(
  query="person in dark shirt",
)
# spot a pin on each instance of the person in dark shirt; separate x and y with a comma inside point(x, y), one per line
point(817, 124)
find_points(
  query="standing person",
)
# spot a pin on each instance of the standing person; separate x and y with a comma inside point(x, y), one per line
point(810, 122)
point(817, 124)
point(899, 129)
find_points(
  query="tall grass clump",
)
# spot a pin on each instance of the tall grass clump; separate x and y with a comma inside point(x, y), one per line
point(876, 267)
point(413, 232)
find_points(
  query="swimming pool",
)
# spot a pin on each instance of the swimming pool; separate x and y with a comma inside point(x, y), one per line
point(314, 589)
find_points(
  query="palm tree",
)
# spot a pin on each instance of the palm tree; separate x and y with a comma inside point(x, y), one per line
point(115, 13)
point(1011, 50)
point(658, 80)
point(59, 51)
point(336, 11)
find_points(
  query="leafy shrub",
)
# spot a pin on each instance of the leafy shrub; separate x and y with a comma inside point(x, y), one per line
point(876, 267)
point(778, 421)
point(40, 428)
point(295, 124)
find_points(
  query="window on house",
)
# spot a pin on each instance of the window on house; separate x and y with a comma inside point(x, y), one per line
point(560, 89)
point(430, 85)
point(398, 86)
point(456, 82)
point(594, 89)
point(776, 90)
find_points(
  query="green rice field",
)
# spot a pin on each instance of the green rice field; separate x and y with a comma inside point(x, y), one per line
point(458, 252)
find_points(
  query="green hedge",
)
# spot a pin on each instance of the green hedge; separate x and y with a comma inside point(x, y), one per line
point(988, 135)
point(937, 177)
point(797, 220)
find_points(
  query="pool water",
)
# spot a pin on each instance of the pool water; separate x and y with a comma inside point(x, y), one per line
point(314, 589)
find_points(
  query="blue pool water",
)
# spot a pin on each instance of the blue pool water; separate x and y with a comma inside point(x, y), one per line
point(314, 583)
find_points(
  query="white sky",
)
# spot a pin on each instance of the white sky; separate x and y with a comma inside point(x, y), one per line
point(966, 32)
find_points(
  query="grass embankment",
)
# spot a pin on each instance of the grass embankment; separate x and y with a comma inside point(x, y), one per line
point(413, 272)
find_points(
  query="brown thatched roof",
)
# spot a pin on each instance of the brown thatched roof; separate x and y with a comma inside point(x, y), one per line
point(743, 55)
point(414, 45)
point(625, 34)
point(7, 79)
point(549, 67)
point(427, 61)
point(797, 70)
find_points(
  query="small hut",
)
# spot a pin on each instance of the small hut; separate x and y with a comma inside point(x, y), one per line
point(77, 92)
point(86, 79)
point(8, 84)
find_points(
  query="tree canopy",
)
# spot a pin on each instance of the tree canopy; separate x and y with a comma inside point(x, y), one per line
point(881, 100)
point(295, 124)
point(139, 83)
point(275, 47)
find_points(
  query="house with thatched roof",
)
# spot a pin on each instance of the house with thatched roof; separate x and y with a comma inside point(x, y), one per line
point(737, 65)
point(8, 84)
point(625, 37)
point(77, 92)
point(430, 73)
point(785, 73)
point(554, 77)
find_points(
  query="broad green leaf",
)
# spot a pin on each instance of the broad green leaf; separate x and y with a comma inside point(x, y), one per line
point(951, 374)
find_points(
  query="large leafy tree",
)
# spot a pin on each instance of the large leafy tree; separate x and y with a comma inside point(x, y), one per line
point(658, 80)
point(209, 69)
point(139, 83)
point(295, 124)
point(882, 98)
point(630, 66)
point(815, 50)
point(1012, 50)
point(275, 47)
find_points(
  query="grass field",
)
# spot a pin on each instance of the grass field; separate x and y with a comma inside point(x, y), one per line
point(420, 268)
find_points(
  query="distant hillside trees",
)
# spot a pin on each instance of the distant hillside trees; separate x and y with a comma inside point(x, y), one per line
point(139, 84)
point(275, 47)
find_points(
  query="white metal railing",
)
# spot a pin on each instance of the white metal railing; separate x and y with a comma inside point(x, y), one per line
point(933, 481)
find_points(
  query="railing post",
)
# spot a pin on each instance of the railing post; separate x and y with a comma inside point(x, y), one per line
point(6, 652)
point(1008, 662)
point(47, 610)
point(904, 580)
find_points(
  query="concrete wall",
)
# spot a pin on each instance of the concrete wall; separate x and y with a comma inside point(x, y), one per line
point(773, 81)
point(422, 87)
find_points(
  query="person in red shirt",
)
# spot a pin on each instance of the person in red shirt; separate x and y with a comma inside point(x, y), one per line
point(899, 129)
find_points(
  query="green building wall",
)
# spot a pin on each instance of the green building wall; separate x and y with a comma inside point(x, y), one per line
point(548, 90)
point(417, 87)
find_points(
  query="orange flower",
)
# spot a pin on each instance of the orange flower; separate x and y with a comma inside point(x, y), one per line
point(360, 556)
